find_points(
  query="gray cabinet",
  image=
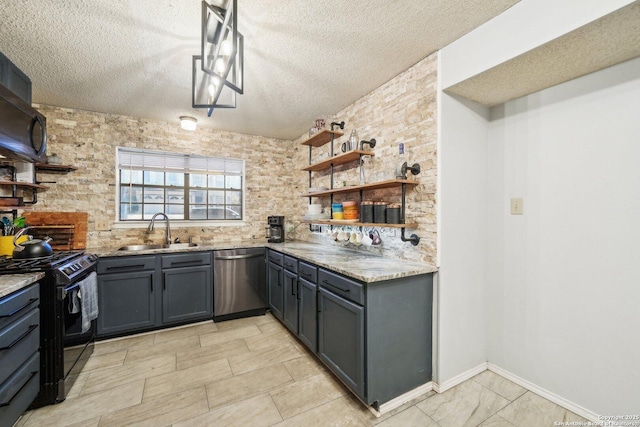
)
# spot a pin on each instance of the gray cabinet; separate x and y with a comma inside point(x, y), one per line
point(126, 302)
point(14, 79)
point(341, 338)
point(143, 292)
point(307, 305)
point(19, 352)
point(275, 287)
point(290, 294)
point(187, 288)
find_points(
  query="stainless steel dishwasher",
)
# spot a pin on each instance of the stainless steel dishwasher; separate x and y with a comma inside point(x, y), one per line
point(239, 283)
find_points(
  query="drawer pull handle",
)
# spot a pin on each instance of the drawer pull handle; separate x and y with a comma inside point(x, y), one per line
point(125, 267)
point(194, 262)
point(31, 301)
point(307, 275)
point(334, 286)
point(7, 403)
point(20, 338)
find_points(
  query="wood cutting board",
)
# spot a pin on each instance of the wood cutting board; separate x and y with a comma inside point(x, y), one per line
point(68, 229)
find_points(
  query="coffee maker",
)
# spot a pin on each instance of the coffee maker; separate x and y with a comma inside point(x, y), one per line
point(275, 230)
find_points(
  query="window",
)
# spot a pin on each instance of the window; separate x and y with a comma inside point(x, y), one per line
point(184, 186)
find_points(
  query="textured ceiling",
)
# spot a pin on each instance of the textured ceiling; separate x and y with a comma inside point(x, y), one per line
point(303, 59)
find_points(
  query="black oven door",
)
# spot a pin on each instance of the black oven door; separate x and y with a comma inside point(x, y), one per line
point(77, 345)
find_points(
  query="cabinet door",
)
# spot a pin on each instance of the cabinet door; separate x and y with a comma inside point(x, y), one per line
point(290, 309)
point(341, 339)
point(276, 295)
point(187, 294)
point(308, 314)
point(19, 83)
point(4, 69)
point(126, 302)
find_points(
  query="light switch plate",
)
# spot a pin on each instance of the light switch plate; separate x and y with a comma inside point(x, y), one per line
point(102, 225)
point(516, 206)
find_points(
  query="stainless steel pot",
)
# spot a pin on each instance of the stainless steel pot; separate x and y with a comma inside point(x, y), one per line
point(32, 248)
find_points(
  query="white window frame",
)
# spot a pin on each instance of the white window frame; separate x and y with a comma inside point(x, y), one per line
point(177, 223)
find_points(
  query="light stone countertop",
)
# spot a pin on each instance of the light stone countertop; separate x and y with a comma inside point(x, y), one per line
point(10, 283)
point(359, 265)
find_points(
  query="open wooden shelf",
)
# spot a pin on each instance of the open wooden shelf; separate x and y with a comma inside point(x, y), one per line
point(392, 183)
point(46, 167)
point(323, 137)
point(358, 224)
point(23, 184)
point(340, 159)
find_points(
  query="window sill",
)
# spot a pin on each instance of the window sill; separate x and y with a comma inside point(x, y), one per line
point(178, 224)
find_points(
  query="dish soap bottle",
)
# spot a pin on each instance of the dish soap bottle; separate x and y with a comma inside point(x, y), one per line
point(402, 160)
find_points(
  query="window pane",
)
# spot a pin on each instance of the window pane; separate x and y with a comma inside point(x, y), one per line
point(130, 177)
point(198, 180)
point(216, 181)
point(153, 178)
point(153, 195)
point(216, 212)
point(175, 211)
point(175, 196)
point(216, 197)
point(131, 194)
point(175, 179)
point(151, 209)
point(233, 212)
point(234, 182)
point(233, 197)
point(198, 212)
point(129, 212)
point(197, 196)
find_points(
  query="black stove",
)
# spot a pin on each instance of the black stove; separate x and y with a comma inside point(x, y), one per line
point(64, 346)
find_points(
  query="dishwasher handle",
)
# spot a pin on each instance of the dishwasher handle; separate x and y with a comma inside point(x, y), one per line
point(232, 257)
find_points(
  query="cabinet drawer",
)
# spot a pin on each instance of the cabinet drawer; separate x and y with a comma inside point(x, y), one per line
point(275, 257)
point(124, 264)
point(18, 303)
point(291, 264)
point(17, 392)
point(18, 341)
point(340, 285)
point(186, 260)
point(308, 272)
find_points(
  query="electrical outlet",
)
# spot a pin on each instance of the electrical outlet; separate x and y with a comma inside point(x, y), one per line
point(102, 225)
point(516, 206)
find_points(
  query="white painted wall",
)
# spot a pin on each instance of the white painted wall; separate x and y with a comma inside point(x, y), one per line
point(563, 279)
point(462, 195)
point(551, 296)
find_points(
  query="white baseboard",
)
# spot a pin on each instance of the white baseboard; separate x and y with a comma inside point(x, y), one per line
point(460, 378)
point(402, 399)
point(558, 400)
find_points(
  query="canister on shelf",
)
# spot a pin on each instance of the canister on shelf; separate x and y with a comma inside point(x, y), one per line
point(379, 212)
point(393, 213)
point(366, 211)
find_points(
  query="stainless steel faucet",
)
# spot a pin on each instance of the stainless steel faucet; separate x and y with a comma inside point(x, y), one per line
point(151, 225)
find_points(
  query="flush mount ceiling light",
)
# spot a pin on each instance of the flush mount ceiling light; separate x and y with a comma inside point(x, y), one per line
point(218, 70)
point(188, 122)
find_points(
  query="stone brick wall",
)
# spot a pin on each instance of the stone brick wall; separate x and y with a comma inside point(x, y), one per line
point(401, 110)
point(88, 141)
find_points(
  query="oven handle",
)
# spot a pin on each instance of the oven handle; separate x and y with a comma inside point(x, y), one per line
point(20, 338)
point(31, 301)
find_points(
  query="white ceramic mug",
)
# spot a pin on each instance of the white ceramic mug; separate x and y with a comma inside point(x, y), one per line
point(359, 237)
point(366, 240)
point(353, 239)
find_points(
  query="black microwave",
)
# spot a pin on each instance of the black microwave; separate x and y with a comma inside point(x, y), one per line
point(23, 130)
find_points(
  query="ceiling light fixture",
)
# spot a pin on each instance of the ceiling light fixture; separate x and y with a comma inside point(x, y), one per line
point(188, 122)
point(219, 69)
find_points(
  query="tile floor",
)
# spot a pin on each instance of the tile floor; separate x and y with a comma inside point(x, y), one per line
point(252, 372)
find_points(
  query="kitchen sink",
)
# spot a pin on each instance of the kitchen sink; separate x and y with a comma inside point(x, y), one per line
point(149, 247)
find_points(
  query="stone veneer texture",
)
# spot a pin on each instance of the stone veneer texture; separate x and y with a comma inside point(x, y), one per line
point(401, 110)
point(88, 141)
